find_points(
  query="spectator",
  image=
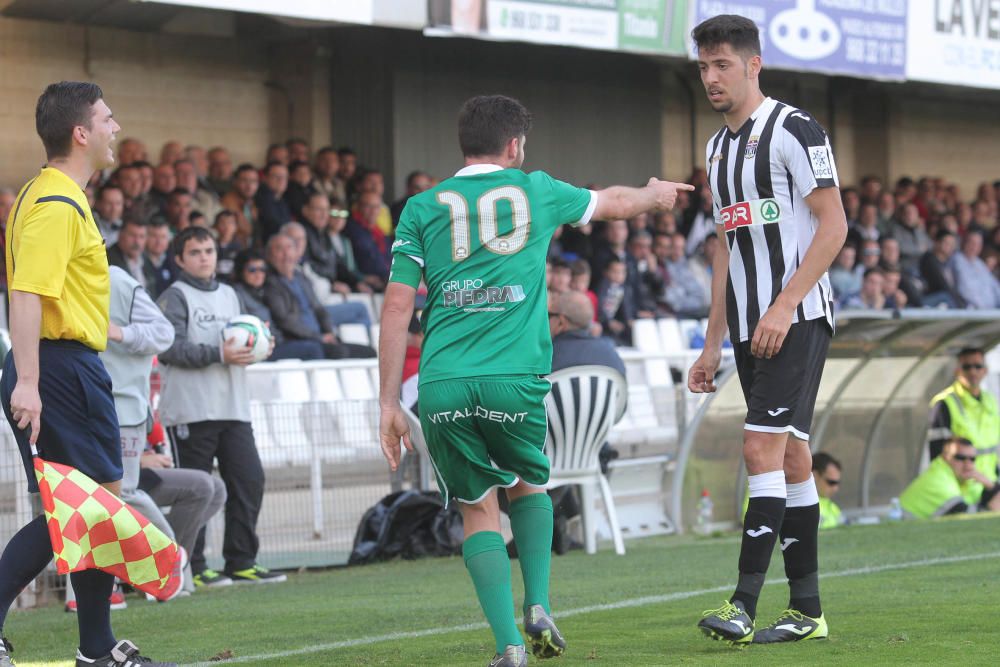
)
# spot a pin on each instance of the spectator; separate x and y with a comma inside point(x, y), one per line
point(170, 153)
point(580, 282)
point(938, 274)
point(297, 313)
point(206, 408)
point(702, 264)
point(348, 166)
point(871, 255)
point(372, 183)
point(852, 205)
point(327, 181)
point(320, 254)
point(845, 275)
point(976, 284)
point(340, 243)
point(889, 262)
point(699, 219)
point(138, 206)
point(615, 303)
point(886, 210)
point(298, 150)
point(178, 210)
point(613, 248)
point(350, 312)
point(683, 294)
point(146, 172)
point(416, 182)
point(198, 157)
point(865, 228)
point(131, 150)
point(241, 201)
point(229, 247)
point(276, 153)
point(871, 296)
point(909, 231)
point(108, 212)
point(164, 182)
point(251, 272)
point(272, 210)
point(300, 186)
point(951, 484)
point(159, 257)
point(202, 198)
point(984, 217)
point(7, 197)
point(368, 242)
point(570, 317)
point(648, 283)
point(871, 188)
point(558, 276)
point(895, 297)
point(136, 332)
point(577, 242)
point(220, 171)
point(967, 410)
point(826, 471)
point(128, 254)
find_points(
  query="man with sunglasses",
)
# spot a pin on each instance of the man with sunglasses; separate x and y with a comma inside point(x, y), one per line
point(826, 471)
point(952, 484)
point(967, 410)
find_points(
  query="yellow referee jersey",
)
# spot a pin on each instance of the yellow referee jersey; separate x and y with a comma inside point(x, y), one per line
point(55, 250)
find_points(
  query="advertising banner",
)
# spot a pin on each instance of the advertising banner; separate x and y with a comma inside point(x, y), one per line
point(954, 41)
point(651, 26)
point(864, 38)
point(354, 11)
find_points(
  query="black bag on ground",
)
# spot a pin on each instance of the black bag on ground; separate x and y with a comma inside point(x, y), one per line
point(410, 524)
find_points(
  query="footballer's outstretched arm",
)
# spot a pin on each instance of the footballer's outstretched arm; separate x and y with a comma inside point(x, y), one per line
point(396, 313)
point(619, 201)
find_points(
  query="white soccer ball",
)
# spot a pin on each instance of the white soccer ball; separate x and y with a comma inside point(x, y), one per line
point(249, 331)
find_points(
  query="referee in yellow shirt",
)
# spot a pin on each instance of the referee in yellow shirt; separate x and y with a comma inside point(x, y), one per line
point(54, 389)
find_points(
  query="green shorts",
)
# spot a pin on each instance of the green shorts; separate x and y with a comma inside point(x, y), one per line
point(485, 432)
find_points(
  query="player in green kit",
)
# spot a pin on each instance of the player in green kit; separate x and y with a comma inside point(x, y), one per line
point(479, 241)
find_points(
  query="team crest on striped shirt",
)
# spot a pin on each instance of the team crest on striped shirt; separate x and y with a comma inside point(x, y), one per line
point(751, 147)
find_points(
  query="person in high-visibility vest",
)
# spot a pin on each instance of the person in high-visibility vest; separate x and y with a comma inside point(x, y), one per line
point(952, 484)
point(967, 410)
point(826, 471)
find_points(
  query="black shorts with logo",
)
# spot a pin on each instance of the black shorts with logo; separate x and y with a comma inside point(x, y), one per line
point(781, 391)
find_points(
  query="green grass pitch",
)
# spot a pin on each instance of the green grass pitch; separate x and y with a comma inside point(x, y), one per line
point(908, 593)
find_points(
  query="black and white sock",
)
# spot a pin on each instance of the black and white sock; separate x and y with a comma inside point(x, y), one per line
point(760, 530)
point(799, 547)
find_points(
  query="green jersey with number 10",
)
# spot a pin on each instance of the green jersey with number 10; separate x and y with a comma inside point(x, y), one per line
point(481, 239)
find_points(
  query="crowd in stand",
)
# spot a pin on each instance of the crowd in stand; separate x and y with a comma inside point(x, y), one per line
point(917, 244)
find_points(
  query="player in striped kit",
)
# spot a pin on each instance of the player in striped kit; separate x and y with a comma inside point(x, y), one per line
point(779, 215)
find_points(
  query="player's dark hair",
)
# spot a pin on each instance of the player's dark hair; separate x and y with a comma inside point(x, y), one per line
point(738, 32)
point(822, 460)
point(487, 122)
point(970, 351)
point(192, 233)
point(62, 107)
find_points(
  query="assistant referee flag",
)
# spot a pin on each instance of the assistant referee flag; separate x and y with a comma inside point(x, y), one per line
point(91, 528)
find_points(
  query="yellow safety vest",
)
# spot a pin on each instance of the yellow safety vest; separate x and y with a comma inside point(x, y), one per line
point(829, 514)
point(978, 421)
point(936, 491)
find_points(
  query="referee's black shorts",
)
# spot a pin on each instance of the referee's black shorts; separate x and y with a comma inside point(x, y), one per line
point(79, 422)
point(781, 391)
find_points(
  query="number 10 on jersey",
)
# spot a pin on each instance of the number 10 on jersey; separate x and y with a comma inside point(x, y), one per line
point(486, 208)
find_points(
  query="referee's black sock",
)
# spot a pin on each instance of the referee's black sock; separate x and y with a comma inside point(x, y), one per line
point(760, 530)
point(93, 590)
point(799, 547)
point(25, 556)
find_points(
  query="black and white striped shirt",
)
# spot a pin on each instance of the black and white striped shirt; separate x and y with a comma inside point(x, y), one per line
point(760, 177)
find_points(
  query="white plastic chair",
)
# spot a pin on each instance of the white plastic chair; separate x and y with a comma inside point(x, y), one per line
point(584, 403)
point(353, 333)
point(645, 336)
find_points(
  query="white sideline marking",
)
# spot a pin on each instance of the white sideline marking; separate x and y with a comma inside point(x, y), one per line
point(622, 604)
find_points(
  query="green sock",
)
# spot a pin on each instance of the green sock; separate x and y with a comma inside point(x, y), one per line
point(486, 559)
point(531, 523)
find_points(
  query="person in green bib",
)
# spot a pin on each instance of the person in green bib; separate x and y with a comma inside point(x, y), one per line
point(826, 471)
point(479, 241)
point(967, 410)
point(951, 484)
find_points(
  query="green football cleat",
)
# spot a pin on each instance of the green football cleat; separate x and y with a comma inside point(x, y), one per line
point(730, 623)
point(546, 640)
point(793, 626)
point(513, 656)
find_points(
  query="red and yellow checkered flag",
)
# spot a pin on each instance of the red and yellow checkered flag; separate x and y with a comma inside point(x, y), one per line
point(91, 528)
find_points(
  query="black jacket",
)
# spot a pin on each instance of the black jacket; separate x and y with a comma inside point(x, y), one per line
point(149, 272)
point(323, 259)
point(286, 313)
